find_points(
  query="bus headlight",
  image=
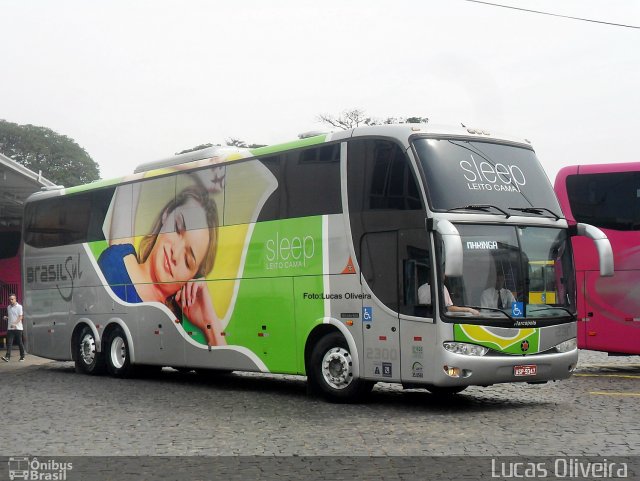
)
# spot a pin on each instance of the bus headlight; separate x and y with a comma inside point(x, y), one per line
point(466, 349)
point(567, 346)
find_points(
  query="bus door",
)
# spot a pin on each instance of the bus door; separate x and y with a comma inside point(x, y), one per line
point(417, 327)
point(610, 317)
point(380, 322)
point(598, 325)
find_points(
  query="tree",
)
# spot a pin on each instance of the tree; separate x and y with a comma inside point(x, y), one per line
point(416, 120)
point(58, 157)
point(349, 119)
point(242, 144)
point(236, 143)
point(229, 142)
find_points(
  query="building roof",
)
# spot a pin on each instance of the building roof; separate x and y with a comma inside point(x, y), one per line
point(16, 184)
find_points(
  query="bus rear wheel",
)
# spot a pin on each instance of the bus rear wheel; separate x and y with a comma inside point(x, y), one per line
point(118, 359)
point(330, 371)
point(87, 359)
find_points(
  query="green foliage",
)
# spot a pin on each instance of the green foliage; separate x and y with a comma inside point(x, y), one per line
point(242, 144)
point(236, 143)
point(197, 147)
point(40, 149)
point(230, 142)
point(350, 119)
point(416, 120)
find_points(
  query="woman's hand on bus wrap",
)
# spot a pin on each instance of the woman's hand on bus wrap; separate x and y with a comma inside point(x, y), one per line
point(196, 304)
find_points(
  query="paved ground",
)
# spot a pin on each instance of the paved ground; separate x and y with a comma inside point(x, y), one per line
point(57, 412)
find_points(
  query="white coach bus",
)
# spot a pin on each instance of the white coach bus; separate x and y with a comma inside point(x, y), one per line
point(396, 253)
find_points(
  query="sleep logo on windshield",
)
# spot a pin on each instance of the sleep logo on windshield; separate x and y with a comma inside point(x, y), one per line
point(485, 175)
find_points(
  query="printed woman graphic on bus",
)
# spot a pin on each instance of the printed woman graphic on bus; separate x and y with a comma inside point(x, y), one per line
point(170, 261)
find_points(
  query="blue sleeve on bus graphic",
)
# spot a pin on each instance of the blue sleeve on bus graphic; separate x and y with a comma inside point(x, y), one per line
point(517, 309)
point(367, 314)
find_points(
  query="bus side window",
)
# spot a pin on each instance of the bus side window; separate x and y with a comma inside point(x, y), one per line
point(606, 200)
point(100, 200)
point(271, 208)
point(58, 221)
point(209, 182)
point(154, 195)
point(312, 182)
point(118, 221)
point(308, 183)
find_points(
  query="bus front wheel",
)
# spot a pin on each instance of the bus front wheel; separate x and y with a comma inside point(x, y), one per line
point(117, 353)
point(88, 359)
point(330, 372)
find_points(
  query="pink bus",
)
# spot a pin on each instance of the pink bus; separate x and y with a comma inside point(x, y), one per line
point(10, 279)
point(606, 196)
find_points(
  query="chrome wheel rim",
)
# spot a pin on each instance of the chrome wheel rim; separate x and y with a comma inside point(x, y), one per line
point(118, 352)
point(337, 368)
point(88, 349)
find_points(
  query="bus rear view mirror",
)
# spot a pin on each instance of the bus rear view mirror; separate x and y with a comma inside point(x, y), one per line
point(603, 246)
point(452, 247)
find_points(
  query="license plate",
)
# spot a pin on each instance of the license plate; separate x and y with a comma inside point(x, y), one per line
point(528, 370)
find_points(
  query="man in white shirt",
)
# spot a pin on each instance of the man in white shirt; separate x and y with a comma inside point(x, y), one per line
point(14, 327)
point(424, 297)
point(497, 297)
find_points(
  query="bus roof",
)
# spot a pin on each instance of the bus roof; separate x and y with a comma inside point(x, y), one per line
point(220, 154)
point(603, 168)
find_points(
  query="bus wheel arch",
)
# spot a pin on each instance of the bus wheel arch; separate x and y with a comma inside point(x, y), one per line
point(331, 368)
point(85, 350)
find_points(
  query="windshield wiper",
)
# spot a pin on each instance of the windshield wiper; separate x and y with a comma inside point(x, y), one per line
point(494, 309)
point(535, 210)
point(548, 308)
point(481, 207)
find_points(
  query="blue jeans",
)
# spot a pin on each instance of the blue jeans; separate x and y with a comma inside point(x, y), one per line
point(11, 335)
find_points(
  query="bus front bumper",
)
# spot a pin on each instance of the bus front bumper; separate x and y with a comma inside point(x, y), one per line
point(461, 370)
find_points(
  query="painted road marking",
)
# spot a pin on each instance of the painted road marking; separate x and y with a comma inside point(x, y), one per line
point(610, 393)
point(626, 376)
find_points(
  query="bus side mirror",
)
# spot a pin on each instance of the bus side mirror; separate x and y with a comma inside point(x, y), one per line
point(603, 246)
point(452, 247)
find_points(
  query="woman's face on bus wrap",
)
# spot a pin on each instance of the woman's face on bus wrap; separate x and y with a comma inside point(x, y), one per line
point(180, 247)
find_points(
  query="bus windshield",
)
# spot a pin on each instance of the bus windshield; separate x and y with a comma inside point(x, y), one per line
point(506, 177)
point(513, 274)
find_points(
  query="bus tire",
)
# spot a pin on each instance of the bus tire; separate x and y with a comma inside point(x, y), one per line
point(330, 371)
point(116, 350)
point(87, 358)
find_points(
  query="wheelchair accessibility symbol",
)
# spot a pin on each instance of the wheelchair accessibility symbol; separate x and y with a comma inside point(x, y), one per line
point(367, 314)
point(517, 309)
